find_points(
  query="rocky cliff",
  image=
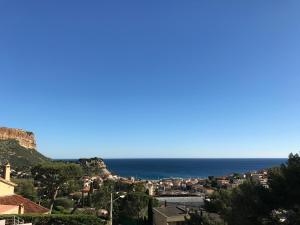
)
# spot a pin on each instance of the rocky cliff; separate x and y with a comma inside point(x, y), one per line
point(94, 166)
point(26, 139)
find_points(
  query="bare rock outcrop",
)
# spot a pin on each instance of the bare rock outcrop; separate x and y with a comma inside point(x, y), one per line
point(95, 166)
point(25, 138)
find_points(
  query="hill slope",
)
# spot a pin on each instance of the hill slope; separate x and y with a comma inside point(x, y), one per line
point(18, 156)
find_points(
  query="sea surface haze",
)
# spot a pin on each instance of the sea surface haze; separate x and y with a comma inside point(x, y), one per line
point(187, 168)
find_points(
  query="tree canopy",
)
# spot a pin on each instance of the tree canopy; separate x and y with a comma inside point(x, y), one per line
point(50, 177)
point(253, 204)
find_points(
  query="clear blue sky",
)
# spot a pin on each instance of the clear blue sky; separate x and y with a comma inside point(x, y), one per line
point(153, 78)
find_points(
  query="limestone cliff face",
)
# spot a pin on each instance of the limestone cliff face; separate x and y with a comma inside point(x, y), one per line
point(95, 166)
point(25, 138)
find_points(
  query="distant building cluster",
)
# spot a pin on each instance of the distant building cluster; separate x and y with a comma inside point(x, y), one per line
point(179, 186)
point(175, 207)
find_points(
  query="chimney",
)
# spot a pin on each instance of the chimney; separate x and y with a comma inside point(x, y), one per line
point(21, 209)
point(6, 171)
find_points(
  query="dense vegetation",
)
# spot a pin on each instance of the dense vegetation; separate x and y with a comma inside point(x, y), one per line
point(52, 177)
point(60, 189)
point(19, 157)
point(134, 208)
point(253, 204)
point(60, 219)
point(199, 218)
point(25, 187)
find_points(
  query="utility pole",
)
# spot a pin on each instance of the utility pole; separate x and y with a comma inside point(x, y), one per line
point(111, 205)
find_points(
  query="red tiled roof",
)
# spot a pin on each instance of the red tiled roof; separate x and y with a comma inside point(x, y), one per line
point(29, 206)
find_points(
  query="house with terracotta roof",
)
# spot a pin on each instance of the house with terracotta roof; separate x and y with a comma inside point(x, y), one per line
point(11, 203)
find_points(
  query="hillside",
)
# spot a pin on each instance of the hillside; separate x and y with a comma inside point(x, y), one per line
point(19, 156)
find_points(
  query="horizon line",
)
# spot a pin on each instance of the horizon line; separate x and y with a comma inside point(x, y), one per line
point(174, 158)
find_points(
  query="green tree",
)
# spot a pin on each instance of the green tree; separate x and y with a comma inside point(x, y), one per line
point(197, 218)
point(248, 204)
point(284, 183)
point(26, 188)
point(253, 204)
point(101, 198)
point(135, 204)
point(73, 185)
point(52, 176)
point(150, 211)
point(218, 201)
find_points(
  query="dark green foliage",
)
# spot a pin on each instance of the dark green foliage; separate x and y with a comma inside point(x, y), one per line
point(285, 183)
point(60, 210)
point(134, 204)
point(219, 201)
point(86, 211)
point(253, 204)
point(249, 204)
point(128, 221)
point(71, 186)
point(137, 188)
point(150, 211)
point(64, 202)
point(101, 198)
point(19, 157)
point(29, 133)
point(135, 207)
point(131, 208)
point(194, 218)
point(51, 177)
point(61, 219)
point(26, 189)
point(200, 218)
point(212, 181)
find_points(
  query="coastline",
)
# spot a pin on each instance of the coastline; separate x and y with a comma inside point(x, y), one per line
point(155, 169)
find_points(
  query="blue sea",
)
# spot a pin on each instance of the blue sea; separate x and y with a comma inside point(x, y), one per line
point(186, 168)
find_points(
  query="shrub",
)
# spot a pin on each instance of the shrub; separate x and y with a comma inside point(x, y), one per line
point(60, 219)
point(64, 202)
point(26, 188)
